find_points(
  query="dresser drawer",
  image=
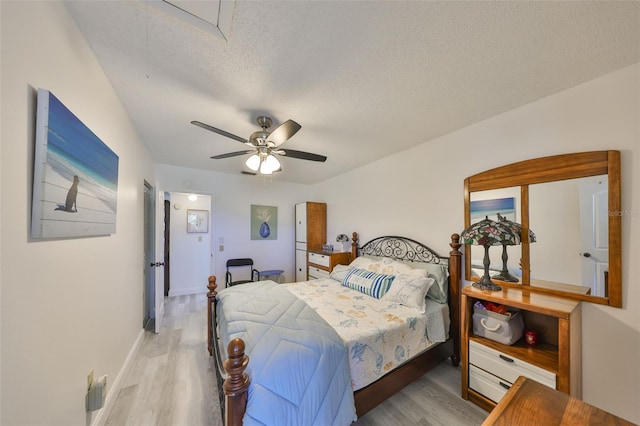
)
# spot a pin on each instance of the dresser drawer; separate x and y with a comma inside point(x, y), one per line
point(320, 259)
point(487, 384)
point(317, 273)
point(507, 367)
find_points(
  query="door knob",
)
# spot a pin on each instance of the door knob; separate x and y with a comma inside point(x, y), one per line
point(586, 254)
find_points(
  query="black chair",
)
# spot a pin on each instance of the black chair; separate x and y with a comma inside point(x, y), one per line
point(234, 263)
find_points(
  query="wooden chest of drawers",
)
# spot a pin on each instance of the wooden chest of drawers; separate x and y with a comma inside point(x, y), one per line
point(321, 264)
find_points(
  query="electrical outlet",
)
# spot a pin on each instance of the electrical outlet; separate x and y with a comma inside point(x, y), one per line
point(221, 248)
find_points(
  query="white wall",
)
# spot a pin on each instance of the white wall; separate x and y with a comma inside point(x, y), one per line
point(231, 219)
point(68, 306)
point(419, 193)
point(190, 253)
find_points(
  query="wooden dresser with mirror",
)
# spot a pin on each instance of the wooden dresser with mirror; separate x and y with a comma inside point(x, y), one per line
point(572, 204)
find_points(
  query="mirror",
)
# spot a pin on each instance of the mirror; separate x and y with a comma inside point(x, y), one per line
point(571, 203)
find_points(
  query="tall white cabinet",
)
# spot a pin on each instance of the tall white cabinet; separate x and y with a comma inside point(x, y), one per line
point(311, 233)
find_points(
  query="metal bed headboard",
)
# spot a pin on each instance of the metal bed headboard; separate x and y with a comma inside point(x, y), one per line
point(401, 248)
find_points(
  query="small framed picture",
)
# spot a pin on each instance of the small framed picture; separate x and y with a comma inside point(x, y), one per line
point(198, 221)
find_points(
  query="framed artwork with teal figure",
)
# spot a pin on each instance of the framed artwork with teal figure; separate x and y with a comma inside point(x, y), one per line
point(264, 222)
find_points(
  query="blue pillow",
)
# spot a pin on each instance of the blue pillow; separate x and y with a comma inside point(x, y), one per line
point(367, 282)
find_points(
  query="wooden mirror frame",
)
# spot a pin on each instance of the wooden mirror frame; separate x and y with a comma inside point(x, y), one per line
point(551, 169)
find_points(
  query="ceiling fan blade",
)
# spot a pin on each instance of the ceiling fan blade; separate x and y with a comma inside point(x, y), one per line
point(232, 154)
point(284, 132)
point(219, 131)
point(302, 155)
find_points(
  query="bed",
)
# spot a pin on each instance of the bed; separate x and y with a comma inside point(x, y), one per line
point(380, 372)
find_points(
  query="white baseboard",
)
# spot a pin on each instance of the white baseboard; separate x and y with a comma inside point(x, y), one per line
point(187, 291)
point(113, 390)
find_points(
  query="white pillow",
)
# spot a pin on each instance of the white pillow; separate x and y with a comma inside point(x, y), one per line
point(366, 263)
point(380, 265)
point(393, 267)
point(410, 290)
point(340, 272)
point(440, 273)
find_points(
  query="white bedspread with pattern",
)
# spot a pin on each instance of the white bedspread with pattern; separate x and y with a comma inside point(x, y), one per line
point(380, 335)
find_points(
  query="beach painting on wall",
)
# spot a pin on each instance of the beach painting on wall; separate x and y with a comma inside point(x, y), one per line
point(75, 176)
point(493, 209)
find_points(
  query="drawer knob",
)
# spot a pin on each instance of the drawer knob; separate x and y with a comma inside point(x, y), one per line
point(506, 358)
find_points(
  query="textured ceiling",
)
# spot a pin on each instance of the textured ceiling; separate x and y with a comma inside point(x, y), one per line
point(365, 79)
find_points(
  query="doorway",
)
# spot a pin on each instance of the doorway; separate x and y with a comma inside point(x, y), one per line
point(190, 248)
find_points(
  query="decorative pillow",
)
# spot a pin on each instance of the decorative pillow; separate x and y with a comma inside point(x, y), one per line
point(367, 282)
point(440, 273)
point(340, 272)
point(365, 262)
point(410, 290)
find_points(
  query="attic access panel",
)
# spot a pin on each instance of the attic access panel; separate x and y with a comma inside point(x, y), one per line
point(212, 16)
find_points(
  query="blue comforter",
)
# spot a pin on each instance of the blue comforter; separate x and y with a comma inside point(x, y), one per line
point(298, 365)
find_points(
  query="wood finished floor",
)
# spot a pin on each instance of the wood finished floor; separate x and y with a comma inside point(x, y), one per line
point(171, 382)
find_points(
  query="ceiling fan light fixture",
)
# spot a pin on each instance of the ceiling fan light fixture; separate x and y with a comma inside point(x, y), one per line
point(253, 162)
point(272, 162)
point(265, 169)
point(264, 144)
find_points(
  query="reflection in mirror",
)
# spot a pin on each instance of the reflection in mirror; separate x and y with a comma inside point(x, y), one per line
point(571, 224)
point(506, 203)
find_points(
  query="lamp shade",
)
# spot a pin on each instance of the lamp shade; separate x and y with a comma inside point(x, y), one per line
point(516, 228)
point(253, 162)
point(272, 163)
point(265, 169)
point(488, 232)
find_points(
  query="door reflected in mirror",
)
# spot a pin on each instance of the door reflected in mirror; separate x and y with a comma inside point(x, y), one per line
point(571, 224)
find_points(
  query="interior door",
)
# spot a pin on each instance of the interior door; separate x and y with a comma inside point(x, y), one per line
point(594, 232)
point(148, 302)
point(159, 255)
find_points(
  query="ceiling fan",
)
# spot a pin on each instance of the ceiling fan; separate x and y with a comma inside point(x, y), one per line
point(264, 145)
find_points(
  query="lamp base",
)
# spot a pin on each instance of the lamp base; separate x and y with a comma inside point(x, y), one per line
point(505, 276)
point(486, 284)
